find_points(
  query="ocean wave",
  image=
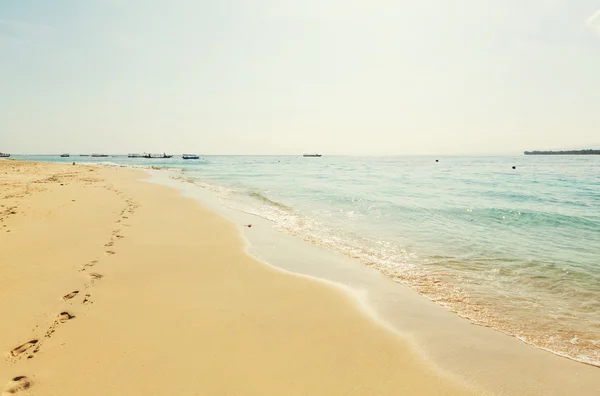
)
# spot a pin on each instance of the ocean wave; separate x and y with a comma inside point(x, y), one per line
point(265, 200)
point(131, 166)
point(223, 192)
point(527, 217)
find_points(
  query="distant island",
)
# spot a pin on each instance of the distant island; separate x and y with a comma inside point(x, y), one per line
point(568, 152)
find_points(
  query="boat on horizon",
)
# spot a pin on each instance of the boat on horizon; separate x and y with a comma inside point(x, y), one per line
point(312, 155)
point(99, 155)
point(65, 155)
point(190, 156)
point(156, 156)
point(4, 155)
point(135, 155)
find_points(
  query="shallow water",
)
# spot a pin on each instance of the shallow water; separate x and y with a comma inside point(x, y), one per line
point(517, 250)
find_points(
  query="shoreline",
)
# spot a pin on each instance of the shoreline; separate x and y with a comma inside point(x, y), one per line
point(158, 287)
point(458, 350)
point(508, 306)
point(573, 344)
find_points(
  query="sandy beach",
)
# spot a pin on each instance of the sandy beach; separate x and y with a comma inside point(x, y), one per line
point(110, 285)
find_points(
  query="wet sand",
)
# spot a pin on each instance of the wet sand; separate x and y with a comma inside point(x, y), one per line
point(110, 285)
point(496, 362)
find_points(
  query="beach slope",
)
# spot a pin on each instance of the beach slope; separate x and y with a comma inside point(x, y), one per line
point(112, 285)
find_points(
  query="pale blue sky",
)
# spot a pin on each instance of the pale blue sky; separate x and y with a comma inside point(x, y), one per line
point(286, 77)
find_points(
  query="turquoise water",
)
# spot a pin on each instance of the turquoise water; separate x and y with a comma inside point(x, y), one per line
point(517, 250)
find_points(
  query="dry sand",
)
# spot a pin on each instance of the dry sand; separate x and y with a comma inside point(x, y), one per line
point(114, 286)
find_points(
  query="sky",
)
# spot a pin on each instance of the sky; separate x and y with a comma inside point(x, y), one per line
point(357, 77)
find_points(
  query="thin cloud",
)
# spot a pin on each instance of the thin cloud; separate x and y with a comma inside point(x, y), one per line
point(593, 22)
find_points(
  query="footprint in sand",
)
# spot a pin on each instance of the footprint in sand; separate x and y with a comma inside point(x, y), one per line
point(95, 276)
point(70, 295)
point(90, 264)
point(17, 385)
point(109, 244)
point(65, 316)
point(23, 348)
point(110, 252)
point(87, 299)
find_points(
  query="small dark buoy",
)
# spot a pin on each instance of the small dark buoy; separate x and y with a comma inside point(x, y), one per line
point(514, 167)
point(249, 225)
point(437, 160)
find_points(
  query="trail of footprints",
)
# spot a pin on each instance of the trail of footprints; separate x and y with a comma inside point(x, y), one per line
point(30, 348)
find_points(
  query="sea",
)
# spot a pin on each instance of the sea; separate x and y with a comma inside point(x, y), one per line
point(508, 242)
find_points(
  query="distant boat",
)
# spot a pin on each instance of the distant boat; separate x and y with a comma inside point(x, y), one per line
point(99, 155)
point(155, 156)
point(190, 156)
point(84, 155)
point(4, 155)
point(65, 155)
point(311, 155)
point(135, 155)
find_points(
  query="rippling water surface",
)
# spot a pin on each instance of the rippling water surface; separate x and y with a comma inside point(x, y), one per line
point(517, 250)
